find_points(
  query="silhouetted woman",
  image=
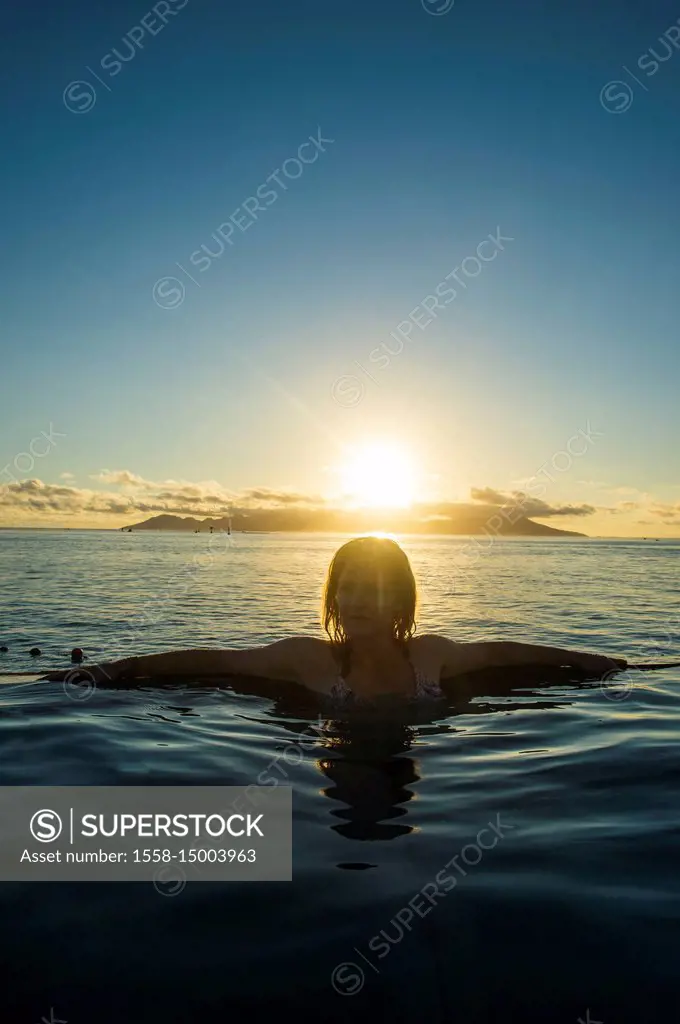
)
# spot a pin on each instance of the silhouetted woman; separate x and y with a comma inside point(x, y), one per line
point(371, 652)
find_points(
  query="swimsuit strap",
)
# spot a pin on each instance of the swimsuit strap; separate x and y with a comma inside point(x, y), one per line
point(340, 691)
point(425, 688)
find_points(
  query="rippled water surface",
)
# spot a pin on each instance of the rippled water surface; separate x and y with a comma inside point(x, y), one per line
point(573, 910)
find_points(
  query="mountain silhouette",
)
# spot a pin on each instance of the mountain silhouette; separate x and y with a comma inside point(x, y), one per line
point(465, 520)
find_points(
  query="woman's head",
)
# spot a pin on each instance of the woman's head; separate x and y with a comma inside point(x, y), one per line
point(370, 589)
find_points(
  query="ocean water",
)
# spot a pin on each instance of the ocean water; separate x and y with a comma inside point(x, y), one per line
point(571, 914)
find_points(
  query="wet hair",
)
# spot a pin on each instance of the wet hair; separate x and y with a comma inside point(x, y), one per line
point(384, 559)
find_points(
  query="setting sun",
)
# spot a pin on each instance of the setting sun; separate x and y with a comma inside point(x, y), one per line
point(379, 475)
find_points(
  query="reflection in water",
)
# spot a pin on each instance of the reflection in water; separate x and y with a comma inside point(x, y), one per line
point(365, 757)
point(371, 776)
point(366, 750)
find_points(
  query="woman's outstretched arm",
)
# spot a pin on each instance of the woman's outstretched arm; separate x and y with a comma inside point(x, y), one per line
point(282, 660)
point(459, 658)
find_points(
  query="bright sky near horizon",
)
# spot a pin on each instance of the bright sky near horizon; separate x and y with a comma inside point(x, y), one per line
point(245, 243)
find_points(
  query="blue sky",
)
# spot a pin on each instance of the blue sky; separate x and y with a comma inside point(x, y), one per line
point(445, 128)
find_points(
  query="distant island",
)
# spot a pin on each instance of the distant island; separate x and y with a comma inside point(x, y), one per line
point(463, 520)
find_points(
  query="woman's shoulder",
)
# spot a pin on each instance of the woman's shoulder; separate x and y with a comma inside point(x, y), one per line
point(310, 647)
point(430, 652)
point(318, 663)
point(315, 653)
point(428, 642)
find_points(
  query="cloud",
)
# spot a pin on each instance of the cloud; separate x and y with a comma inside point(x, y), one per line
point(198, 496)
point(138, 496)
point(122, 477)
point(635, 500)
point(126, 497)
point(260, 494)
point(35, 496)
point(621, 508)
point(66, 476)
point(533, 508)
point(669, 514)
point(489, 495)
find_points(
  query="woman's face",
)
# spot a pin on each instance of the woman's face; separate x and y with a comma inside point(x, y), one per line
point(365, 604)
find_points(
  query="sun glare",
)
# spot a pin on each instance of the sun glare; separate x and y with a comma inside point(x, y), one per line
point(379, 475)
